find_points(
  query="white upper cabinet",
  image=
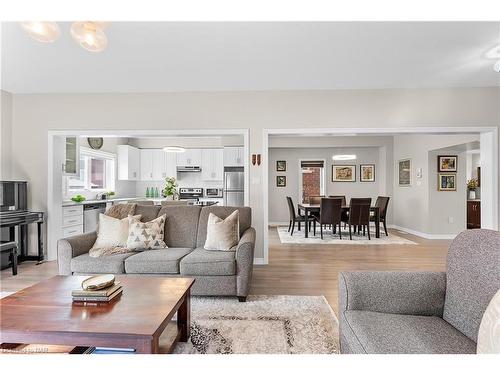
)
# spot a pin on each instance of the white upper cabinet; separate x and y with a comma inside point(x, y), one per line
point(191, 157)
point(233, 157)
point(170, 165)
point(71, 156)
point(159, 165)
point(128, 162)
point(146, 165)
point(212, 167)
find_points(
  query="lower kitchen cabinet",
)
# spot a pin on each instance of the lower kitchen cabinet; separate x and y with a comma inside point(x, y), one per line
point(473, 214)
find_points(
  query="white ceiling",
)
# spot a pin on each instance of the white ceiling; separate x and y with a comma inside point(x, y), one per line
point(161, 57)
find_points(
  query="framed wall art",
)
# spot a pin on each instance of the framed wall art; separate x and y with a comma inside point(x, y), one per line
point(404, 172)
point(280, 181)
point(367, 172)
point(447, 182)
point(447, 163)
point(343, 173)
point(281, 166)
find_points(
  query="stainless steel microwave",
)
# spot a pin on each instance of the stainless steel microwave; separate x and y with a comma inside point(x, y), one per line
point(213, 192)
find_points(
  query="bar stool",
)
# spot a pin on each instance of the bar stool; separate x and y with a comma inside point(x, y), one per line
point(11, 247)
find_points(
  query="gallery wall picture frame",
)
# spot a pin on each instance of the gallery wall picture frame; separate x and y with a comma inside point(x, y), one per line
point(367, 172)
point(343, 173)
point(280, 181)
point(447, 182)
point(281, 166)
point(404, 172)
point(447, 163)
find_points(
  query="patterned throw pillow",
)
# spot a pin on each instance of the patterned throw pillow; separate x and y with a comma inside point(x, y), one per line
point(146, 236)
point(223, 234)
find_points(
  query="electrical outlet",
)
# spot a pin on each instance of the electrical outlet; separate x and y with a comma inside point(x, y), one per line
point(450, 219)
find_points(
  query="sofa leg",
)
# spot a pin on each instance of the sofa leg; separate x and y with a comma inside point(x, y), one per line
point(242, 298)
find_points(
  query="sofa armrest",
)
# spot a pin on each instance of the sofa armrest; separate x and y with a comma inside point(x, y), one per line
point(71, 247)
point(244, 262)
point(416, 293)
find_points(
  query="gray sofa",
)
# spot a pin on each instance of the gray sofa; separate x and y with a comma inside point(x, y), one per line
point(422, 312)
point(227, 273)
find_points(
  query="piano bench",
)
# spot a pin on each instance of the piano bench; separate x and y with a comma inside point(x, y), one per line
point(11, 247)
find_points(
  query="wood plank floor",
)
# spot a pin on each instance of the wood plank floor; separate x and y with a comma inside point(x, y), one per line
point(297, 269)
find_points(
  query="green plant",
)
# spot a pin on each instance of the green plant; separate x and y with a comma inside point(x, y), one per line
point(472, 184)
point(111, 193)
point(170, 188)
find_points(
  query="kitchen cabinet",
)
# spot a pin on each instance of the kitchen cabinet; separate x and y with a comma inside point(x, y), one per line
point(473, 214)
point(212, 167)
point(159, 165)
point(191, 157)
point(72, 221)
point(170, 169)
point(146, 164)
point(128, 162)
point(233, 157)
point(71, 166)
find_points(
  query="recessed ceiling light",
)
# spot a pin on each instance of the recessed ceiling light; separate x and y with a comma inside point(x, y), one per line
point(176, 149)
point(496, 67)
point(344, 157)
point(45, 32)
point(90, 35)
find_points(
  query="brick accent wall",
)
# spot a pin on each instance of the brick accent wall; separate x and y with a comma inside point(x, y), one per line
point(311, 183)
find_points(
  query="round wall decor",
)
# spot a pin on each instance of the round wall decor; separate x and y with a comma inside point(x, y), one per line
point(95, 143)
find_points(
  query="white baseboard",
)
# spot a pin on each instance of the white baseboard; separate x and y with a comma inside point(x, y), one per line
point(278, 223)
point(422, 234)
point(259, 261)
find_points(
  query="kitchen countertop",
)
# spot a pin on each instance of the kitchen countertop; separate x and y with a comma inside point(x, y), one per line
point(94, 201)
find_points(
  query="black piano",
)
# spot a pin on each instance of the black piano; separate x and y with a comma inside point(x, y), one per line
point(14, 215)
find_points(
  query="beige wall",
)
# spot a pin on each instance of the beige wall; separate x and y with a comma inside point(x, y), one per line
point(6, 135)
point(35, 114)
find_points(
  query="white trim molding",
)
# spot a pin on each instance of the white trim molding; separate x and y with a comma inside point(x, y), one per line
point(259, 261)
point(424, 235)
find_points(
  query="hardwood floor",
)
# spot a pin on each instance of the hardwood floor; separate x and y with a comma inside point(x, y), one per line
point(297, 269)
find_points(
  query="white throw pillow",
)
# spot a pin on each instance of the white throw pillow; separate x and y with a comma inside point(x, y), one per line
point(488, 338)
point(146, 236)
point(112, 232)
point(223, 234)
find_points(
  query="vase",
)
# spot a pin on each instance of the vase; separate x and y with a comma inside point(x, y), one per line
point(169, 197)
point(472, 194)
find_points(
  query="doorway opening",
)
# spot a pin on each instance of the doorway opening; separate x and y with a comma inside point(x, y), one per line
point(311, 179)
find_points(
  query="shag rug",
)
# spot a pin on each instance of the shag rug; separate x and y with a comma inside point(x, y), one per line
point(262, 325)
point(334, 239)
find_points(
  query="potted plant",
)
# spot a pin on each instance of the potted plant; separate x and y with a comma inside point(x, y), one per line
point(170, 189)
point(472, 186)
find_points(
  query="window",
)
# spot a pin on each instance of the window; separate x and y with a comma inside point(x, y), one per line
point(312, 176)
point(97, 171)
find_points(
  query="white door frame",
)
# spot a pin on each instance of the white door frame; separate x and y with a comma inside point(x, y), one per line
point(323, 175)
point(54, 174)
point(487, 133)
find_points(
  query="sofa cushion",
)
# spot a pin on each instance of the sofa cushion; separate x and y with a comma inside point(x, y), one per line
point(147, 213)
point(472, 278)
point(245, 218)
point(382, 333)
point(222, 234)
point(181, 225)
point(106, 264)
point(201, 262)
point(156, 261)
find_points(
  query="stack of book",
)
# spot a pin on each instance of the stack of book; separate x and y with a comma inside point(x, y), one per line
point(100, 295)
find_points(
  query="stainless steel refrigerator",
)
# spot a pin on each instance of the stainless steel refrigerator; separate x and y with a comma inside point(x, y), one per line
point(234, 182)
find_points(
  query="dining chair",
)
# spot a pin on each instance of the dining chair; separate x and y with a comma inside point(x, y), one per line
point(294, 216)
point(382, 203)
point(339, 196)
point(315, 199)
point(345, 215)
point(330, 213)
point(359, 215)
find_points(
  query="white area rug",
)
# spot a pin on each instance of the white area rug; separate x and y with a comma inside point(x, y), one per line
point(263, 324)
point(334, 239)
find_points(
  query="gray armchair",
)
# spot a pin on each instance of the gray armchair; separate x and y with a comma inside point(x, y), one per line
point(422, 312)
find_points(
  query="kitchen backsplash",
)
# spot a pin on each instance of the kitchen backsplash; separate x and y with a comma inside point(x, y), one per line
point(191, 180)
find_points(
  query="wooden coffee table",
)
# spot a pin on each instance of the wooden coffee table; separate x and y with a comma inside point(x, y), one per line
point(45, 314)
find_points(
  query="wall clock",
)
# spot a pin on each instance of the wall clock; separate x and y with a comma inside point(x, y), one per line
point(95, 143)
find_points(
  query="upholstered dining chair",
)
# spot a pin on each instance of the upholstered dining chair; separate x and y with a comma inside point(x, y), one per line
point(345, 215)
point(339, 196)
point(382, 203)
point(330, 213)
point(359, 215)
point(294, 216)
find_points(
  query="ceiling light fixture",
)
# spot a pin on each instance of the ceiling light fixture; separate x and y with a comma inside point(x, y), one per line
point(344, 157)
point(45, 32)
point(496, 67)
point(176, 149)
point(90, 35)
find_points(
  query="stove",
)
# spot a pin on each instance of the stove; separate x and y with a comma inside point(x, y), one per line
point(190, 193)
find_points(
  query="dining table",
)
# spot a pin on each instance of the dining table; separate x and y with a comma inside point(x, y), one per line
point(308, 209)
